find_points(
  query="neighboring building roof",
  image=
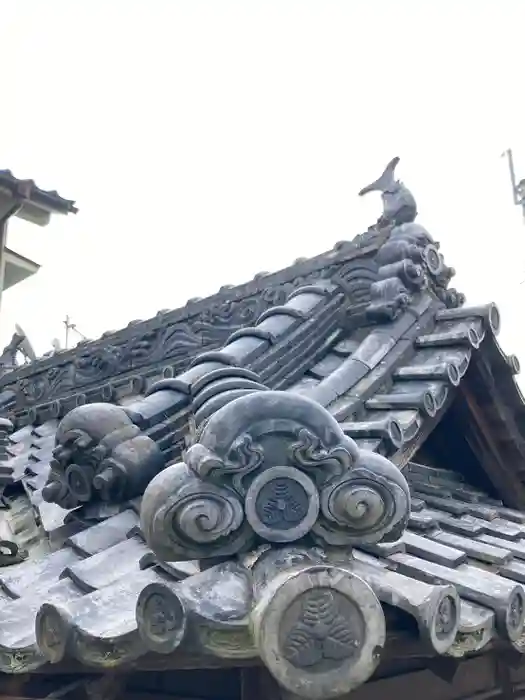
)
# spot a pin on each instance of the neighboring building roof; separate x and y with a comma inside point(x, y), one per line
point(37, 204)
point(288, 411)
point(17, 268)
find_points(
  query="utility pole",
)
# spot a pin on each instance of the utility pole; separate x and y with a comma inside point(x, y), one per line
point(518, 187)
point(70, 326)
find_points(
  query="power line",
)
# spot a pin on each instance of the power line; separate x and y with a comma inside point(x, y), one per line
point(70, 326)
point(518, 187)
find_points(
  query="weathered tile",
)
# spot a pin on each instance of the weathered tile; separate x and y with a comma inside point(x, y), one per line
point(422, 489)
point(504, 529)
point(18, 466)
point(517, 548)
point(51, 516)
point(361, 556)
point(346, 347)
point(460, 508)
point(106, 567)
point(473, 616)
point(101, 626)
point(514, 570)
point(422, 521)
point(474, 548)
point(476, 629)
point(17, 448)
point(46, 429)
point(416, 505)
point(431, 550)
point(326, 366)
point(457, 525)
point(515, 516)
point(449, 505)
point(417, 598)
point(35, 575)
point(22, 435)
point(428, 473)
point(178, 569)
point(18, 648)
point(304, 385)
point(474, 584)
point(105, 534)
point(383, 549)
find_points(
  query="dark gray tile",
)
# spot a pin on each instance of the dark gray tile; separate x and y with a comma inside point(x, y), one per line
point(515, 516)
point(346, 347)
point(431, 550)
point(51, 516)
point(474, 616)
point(106, 534)
point(514, 570)
point(383, 549)
point(107, 566)
point(47, 429)
point(474, 548)
point(18, 649)
point(460, 508)
point(479, 586)
point(456, 525)
point(503, 528)
point(417, 598)
point(38, 574)
point(416, 505)
point(22, 435)
point(517, 548)
point(102, 625)
point(326, 366)
point(422, 521)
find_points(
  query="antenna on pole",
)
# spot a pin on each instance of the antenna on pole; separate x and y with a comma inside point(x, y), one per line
point(518, 188)
point(70, 326)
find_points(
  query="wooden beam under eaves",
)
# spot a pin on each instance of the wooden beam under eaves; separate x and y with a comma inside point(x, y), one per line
point(479, 435)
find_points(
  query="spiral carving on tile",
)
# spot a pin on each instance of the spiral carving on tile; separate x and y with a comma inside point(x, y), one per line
point(205, 517)
point(366, 506)
point(272, 466)
point(184, 517)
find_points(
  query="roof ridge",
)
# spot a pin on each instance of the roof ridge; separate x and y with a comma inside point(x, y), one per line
point(197, 324)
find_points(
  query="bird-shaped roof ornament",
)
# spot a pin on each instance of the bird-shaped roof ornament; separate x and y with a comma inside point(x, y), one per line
point(399, 205)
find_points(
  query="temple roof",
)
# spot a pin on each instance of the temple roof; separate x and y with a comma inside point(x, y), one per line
point(338, 447)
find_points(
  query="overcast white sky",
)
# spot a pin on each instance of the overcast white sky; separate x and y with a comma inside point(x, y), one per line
point(205, 141)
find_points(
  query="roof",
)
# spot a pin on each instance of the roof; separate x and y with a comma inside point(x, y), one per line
point(296, 471)
point(17, 268)
point(36, 202)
